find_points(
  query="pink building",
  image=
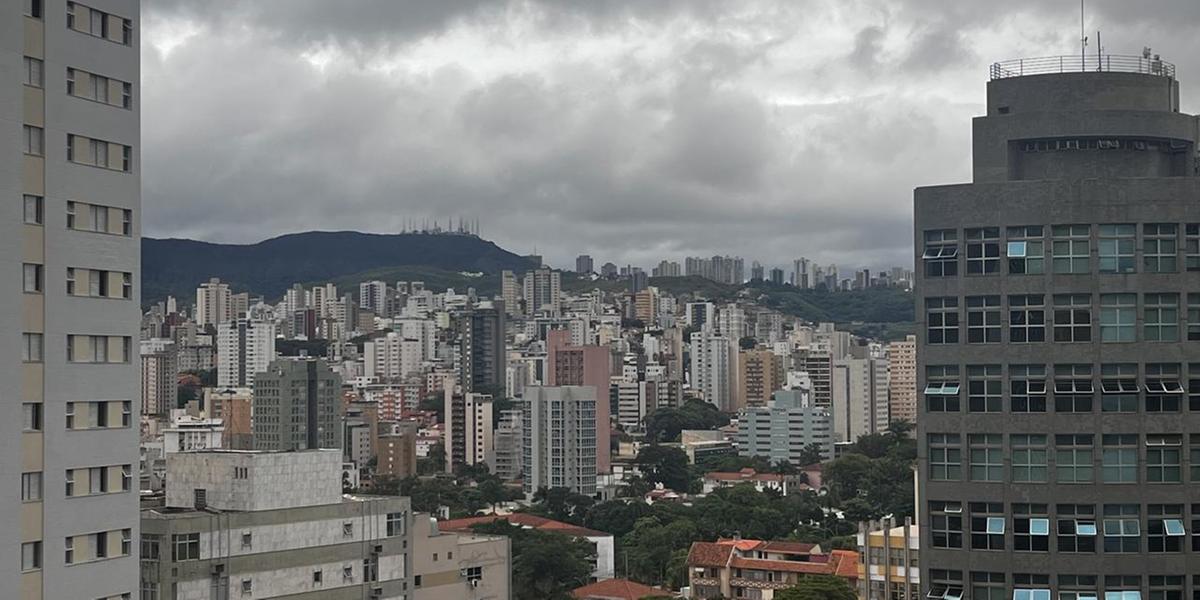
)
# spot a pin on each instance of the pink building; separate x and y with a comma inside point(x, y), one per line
point(583, 365)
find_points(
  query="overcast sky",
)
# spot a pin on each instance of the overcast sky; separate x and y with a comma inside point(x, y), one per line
point(630, 130)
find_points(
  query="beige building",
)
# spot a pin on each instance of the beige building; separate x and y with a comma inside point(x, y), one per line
point(214, 303)
point(902, 379)
point(454, 566)
point(397, 455)
point(760, 374)
point(70, 258)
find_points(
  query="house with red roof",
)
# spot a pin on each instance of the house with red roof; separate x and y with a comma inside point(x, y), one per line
point(618, 589)
point(784, 484)
point(603, 568)
point(755, 569)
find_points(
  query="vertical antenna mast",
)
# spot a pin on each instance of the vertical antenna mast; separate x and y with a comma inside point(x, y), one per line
point(1082, 39)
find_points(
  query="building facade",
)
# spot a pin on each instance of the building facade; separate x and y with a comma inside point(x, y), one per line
point(468, 431)
point(214, 303)
point(481, 347)
point(859, 387)
point(244, 348)
point(1055, 301)
point(902, 379)
point(559, 439)
point(297, 406)
point(71, 252)
point(783, 428)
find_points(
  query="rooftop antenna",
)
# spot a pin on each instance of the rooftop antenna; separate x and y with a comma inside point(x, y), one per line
point(1083, 40)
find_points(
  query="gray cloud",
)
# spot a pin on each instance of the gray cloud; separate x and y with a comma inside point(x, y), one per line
point(631, 130)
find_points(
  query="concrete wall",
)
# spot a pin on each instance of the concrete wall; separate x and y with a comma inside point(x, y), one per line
point(274, 479)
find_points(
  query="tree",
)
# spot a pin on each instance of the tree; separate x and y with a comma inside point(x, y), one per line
point(435, 402)
point(650, 548)
point(545, 565)
point(434, 462)
point(560, 504)
point(664, 424)
point(615, 516)
point(819, 587)
point(811, 454)
point(747, 343)
point(665, 465)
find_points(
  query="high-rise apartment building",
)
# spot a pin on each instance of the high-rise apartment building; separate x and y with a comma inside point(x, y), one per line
point(159, 377)
point(666, 268)
point(392, 356)
point(859, 391)
point(1056, 301)
point(468, 430)
point(543, 291)
point(591, 366)
point(712, 370)
point(71, 255)
point(559, 443)
point(510, 292)
point(482, 348)
point(244, 348)
point(802, 274)
point(902, 379)
point(372, 296)
point(297, 405)
point(760, 375)
point(214, 303)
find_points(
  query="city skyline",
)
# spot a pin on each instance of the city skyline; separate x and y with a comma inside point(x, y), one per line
point(576, 128)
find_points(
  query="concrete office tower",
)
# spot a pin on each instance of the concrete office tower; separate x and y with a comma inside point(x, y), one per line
point(584, 264)
point(507, 444)
point(543, 291)
point(285, 531)
point(372, 296)
point(214, 303)
point(591, 366)
point(160, 369)
point(468, 430)
point(559, 445)
point(713, 368)
point(244, 349)
point(902, 380)
point(761, 374)
point(784, 427)
point(510, 292)
point(859, 387)
point(1071, 260)
point(70, 110)
point(482, 348)
point(296, 406)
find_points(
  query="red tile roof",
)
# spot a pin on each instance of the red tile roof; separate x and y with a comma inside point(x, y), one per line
point(524, 520)
point(720, 554)
point(709, 554)
point(617, 589)
point(788, 547)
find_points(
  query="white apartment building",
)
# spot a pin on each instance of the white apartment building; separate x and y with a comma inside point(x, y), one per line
point(859, 388)
point(559, 439)
point(712, 368)
point(372, 295)
point(188, 433)
point(246, 524)
point(392, 356)
point(543, 291)
point(244, 347)
point(214, 303)
point(71, 256)
point(783, 428)
point(468, 430)
point(731, 322)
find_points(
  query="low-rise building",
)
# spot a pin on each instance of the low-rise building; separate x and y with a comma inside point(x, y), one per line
point(604, 562)
point(784, 484)
point(888, 568)
point(617, 589)
point(755, 568)
point(785, 427)
point(453, 565)
point(188, 433)
point(248, 524)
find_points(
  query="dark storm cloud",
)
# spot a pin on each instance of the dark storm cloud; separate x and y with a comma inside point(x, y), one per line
point(631, 130)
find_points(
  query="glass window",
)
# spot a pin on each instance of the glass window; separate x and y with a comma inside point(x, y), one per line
point(1118, 317)
point(1026, 250)
point(1122, 528)
point(1117, 248)
point(987, 461)
point(33, 209)
point(1072, 318)
point(185, 546)
point(1161, 317)
point(34, 141)
point(983, 251)
point(31, 347)
point(1027, 388)
point(941, 253)
point(942, 388)
point(1071, 248)
point(983, 319)
point(987, 526)
point(1120, 458)
point(1164, 390)
point(1076, 527)
point(31, 413)
point(1031, 528)
point(34, 72)
point(1029, 458)
point(983, 388)
point(945, 520)
point(1026, 318)
point(1119, 387)
point(31, 556)
point(32, 278)
point(945, 457)
point(1073, 388)
point(1164, 458)
point(1073, 458)
point(1191, 251)
point(1193, 318)
point(1161, 247)
point(1166, 587)
point(31, 486)
point(942, 318)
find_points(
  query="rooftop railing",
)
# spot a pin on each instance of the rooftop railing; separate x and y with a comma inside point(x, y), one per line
point(1108, 63)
